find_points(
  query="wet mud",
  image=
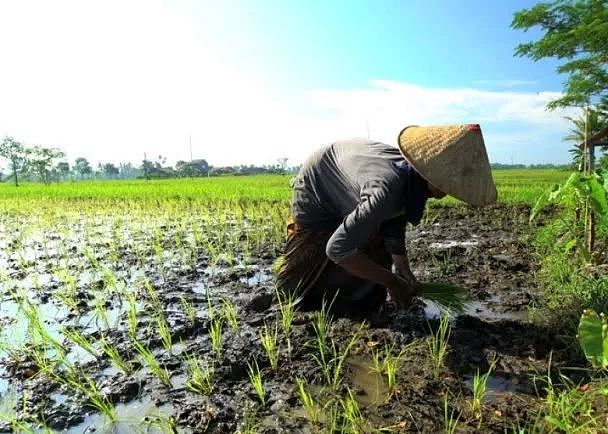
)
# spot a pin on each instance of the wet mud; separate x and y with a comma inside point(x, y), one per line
point(486, 252)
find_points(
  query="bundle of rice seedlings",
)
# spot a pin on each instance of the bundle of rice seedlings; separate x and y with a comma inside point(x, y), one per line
point(447, 296)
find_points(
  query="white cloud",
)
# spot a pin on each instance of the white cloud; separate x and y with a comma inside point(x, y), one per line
point(111, 80)
point(387, 106)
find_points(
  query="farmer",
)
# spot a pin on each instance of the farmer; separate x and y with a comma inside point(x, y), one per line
point(351, 202)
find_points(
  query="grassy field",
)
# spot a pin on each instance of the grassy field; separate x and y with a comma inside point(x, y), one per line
point(514, 186)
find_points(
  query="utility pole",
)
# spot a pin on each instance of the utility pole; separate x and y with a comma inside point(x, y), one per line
point(146, 175)
point(190, 145)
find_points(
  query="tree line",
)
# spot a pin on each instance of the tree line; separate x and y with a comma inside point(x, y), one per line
point(37, 163)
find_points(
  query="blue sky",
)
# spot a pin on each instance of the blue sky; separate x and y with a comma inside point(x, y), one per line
point(252, 81)
point(344, 44)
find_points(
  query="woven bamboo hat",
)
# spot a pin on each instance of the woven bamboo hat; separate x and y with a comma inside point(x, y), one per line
point(453, 159)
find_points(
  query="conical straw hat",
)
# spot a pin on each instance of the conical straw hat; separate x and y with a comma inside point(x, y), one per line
point(453, 159)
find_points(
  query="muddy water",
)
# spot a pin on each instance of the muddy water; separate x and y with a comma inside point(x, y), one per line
point(480, 251)
point(370, 386)
point(497, 387)
point(137, 416)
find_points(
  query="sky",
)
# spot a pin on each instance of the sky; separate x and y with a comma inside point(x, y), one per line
point(248, 82)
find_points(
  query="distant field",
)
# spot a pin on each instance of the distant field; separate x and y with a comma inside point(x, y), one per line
point(515, 186)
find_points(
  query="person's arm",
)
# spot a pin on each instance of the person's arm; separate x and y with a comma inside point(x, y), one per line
point(377, 202)
point(393, 231)
point(400, 289)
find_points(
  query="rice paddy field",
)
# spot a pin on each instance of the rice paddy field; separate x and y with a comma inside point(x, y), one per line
point(150, 306)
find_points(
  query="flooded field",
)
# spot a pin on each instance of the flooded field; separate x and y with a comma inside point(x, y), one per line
point(162, 316)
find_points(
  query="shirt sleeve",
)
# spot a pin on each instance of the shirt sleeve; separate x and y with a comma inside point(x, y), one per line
point(378, 202)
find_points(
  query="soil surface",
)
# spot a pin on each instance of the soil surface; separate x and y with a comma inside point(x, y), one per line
point(485, 251)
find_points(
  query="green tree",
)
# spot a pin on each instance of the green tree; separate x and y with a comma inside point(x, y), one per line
point(82, 167)
point(146, 167)
point(63, 169)
point(109, 170)
point(192, 168)
point(574, 32)
point(16, 154)
point(41, 160)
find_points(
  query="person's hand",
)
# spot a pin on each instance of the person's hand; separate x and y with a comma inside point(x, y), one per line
point(402, 268)
point(401, 291)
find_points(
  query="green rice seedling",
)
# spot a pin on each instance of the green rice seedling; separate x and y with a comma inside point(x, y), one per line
point(333, 415)
point(200, 375)
point(36, 326)
point(188, 309)
point(320, 326)
point(329, 358)
point(117, 360)
point(352, 419)
point(99, 310)
point(163, 330)
point(67, 293)
point(152, 294)
point(287, 309)
point(132, 321)
point(480, 387)
point(79, 339)
point(450, 419)
point(339, 359)
point(78, 380)
point(161, 423)
point(7, 414)
point(215, 334)
point(109, 281)
point(307, 401)
point(447, 296)
point(150, 361)
point(269, 341)
point(386, 363)
point(229, 313)
point(37, 352)
point(438, 345)
point(255, 376)
point(250, 423)
point(88, 252)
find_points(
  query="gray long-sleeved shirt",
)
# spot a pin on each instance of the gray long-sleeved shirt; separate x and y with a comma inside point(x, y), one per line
point(358, 187)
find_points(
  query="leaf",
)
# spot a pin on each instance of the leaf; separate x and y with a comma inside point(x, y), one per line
point(541, 203)
point(597, 194)
point(570, 245)
point(593, 338)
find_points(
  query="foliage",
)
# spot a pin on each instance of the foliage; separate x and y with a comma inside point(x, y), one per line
point(41, 161)
point(189, 169)
point(576, 33)
point(567, 286)
point(16, 154)
point(63, 169)
point(109, 169)
point(580, 189)
point(82, 167)
point(593, 338)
